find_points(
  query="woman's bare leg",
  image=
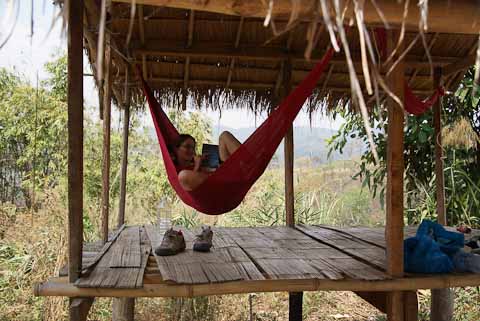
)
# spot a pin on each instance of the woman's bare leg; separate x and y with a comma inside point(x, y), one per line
point(228, 144)
point(190, 180)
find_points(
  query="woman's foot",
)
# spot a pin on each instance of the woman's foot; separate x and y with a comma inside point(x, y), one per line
point(172, 243)
point(203, 242)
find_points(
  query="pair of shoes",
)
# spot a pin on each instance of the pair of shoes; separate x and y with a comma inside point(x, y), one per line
point(173, 242)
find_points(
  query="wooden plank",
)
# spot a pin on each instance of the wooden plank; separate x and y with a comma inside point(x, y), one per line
point(75, 139)
point(462, 16)
point(354, 247)
point(104, 250)
point(105, 276)
point(126, 250)
point(225, 261)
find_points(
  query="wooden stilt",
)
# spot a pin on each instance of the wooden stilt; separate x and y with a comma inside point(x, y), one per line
point(106, 138)
point(395, 169)
point(75, 139)
point(377, 299)
point(295, 306)
point(79, 308)
point(123, 309)
point(442, 305)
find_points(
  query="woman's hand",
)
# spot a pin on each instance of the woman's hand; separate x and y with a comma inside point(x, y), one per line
point(197, 161)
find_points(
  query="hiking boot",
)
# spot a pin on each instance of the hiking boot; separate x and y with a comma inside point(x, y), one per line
point(203, 242)
point(172, 243)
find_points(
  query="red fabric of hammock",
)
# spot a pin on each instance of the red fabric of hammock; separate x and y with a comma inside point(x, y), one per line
point(415, 106)
point(227, 186)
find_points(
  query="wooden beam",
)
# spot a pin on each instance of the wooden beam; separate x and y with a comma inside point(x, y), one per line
point(430, 45)
point(460, 64)
point(186, 72)
point(75, 139)
point(79, 308)
point(395, 170)
point(224, 50)
point(141, 24)
point(457, 77)
point(237, 43)
point(61, 286)
point(161, 82)
point(107, 102)
point(123, 309)
point(463, 15)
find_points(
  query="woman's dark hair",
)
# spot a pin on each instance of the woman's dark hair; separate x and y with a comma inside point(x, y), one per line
point(180, 140)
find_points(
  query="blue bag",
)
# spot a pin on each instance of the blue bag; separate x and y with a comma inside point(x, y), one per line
point(432, 249)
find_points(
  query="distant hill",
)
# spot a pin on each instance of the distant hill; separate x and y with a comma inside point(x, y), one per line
point(310, 143)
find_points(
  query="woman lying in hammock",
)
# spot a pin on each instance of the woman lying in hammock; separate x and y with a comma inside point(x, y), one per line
point(191, 174)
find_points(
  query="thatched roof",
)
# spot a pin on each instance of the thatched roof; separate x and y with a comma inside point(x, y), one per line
point(233, 61)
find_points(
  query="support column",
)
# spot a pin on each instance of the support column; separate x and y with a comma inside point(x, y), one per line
point(288, 151)
point(395, 170)
point(123, 309)
point(107, 103)
point(442, 305)
point(295, 306)
point(75, 152)
point(123, 173)
point(75, 139)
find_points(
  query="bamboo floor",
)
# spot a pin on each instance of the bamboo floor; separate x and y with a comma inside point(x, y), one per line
point(243, 260)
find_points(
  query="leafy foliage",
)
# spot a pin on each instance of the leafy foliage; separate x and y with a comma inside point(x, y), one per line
point(461, 164)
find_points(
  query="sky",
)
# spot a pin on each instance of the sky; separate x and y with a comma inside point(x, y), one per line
point(27, 54)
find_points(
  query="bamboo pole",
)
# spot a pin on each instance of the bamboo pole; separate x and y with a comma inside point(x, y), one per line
point(442, 304)
point(288, 150)
point(395, 169)
point(106, 138)
point(123, 173)
point(75, 139)
point(155, 287)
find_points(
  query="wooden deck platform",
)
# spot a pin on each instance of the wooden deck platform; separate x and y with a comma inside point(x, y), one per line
point(243, 260)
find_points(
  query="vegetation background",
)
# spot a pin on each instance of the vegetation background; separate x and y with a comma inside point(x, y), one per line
point(33, 142)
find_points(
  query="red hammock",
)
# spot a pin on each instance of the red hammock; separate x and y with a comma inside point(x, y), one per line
point(227, 186)
point(413, 104)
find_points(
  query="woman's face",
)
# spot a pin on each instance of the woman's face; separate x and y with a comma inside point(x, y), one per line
point(185, 151)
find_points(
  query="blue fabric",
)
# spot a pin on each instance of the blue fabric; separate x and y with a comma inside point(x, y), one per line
point(432, 249)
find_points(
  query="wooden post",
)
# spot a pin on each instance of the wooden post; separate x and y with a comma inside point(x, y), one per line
point(295, 304)
point(442, 305)
point(123, 309)
point(395, 170)
point(79, 308)
point(75, 152)
point(75, 139)
point(107, 99)
point(288, 151)
point(123, 174)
